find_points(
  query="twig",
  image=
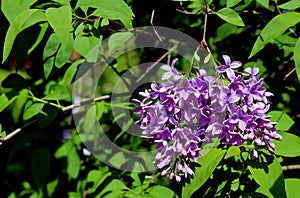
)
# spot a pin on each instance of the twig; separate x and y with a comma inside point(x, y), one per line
point(183, 10)
point(203, 43)
point(151, 22)
point(84, 103)
point(291, 167)
point(287, 75)
point(156, 62)
point(18, 130)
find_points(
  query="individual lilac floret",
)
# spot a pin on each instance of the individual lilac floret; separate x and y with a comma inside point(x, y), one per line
point(228, 67)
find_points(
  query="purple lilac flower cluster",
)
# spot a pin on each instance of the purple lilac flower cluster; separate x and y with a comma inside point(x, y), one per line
point(246, 103)
point(181, 114)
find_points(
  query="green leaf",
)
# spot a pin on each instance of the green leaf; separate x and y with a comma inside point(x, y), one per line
point(24, 20)
point(226, 30)
point(40, 166)
point(2, 133)
point(11, 10)
point(232, 151)
point(208, 164)
point(230, 16)
point(114, 186)
point(254, 195)
point(51, 46)
point(157, 192)
point(264, 3)
point(43, 29)
point(292, 187)
point(5, 101)
point(64, 149)
point(231, 3)
point(83, 45)
point(117, 41)
point(89, 119)
point(49, 53)
point(70, 73)
point(18, 105)
point(268, 174)
point(63, 2)
point(297, 58)
point(285, 122)
point(291, 5)
point(33, 110)
point(51, 187)
point(74, 163)
point(60, 19)
point(289, 146)
point(68, 150)
point(110, 9)
point(64, 54)
point(58, 92)
point(97, 177)
point(275, 28)
point(48, 66)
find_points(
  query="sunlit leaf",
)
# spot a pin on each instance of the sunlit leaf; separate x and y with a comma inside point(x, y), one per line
point(63, 2)
point(58, 92)
point(264, 3)
point(50, 50)
point(268, 174)
point(24, 20)
point(5, 101)
point(289, 146)
point(230, 16)
point(232, 151)
point(285, 122)
point(231, 3)
point(18, 105)
point(70, 73)
point(292, 187)
point(68, 150)
point(290, 5)
point(60, 19)
point(208, 164)
point(275, 28)
point(64, 54)
point(157, 191)
point(297, 58)
point(84, 44)
point(97, 177)
point(114, 186)
point(33, 110)
point(43, 28)
point(11, 10)
point(110, 9)
point(51, 187)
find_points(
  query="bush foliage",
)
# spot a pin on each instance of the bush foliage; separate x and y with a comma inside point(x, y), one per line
point(44, 44)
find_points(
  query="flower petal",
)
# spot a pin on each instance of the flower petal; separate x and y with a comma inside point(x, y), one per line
point(235, 64)
point(227, 59)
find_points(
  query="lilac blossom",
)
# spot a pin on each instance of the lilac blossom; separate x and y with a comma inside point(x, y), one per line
point(228, 67)
point(181, 114)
